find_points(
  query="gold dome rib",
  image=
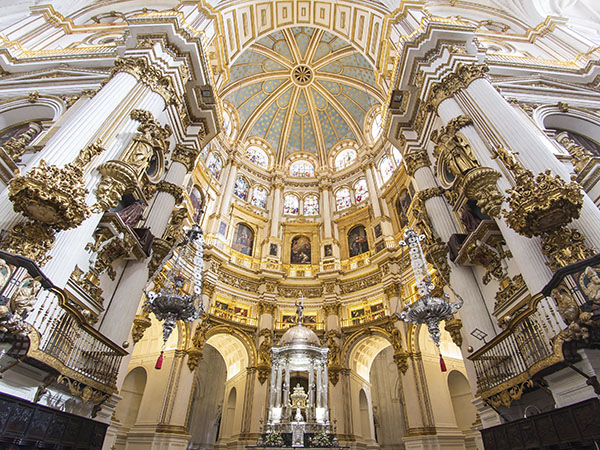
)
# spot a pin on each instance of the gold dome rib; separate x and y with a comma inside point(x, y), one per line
point(313, 45)
point(341, 110)
point(270, 53)
point(333, 56)
point(353, 82)
point(292, 44)
point(317, 130)
point(285, 132)
point(230, 88)
point(262, 107)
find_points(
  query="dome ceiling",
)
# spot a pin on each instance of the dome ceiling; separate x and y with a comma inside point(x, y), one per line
point(302, 89)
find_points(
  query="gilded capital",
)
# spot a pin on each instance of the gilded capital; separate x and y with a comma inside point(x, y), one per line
point(415, 160)
point(148, 74)
point(174, 190)
point(186, 156)
point(452, 83)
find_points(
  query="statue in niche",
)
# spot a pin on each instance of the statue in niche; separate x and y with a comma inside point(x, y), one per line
point(459, 155)
point(244, 239)
point(132, 214)
point(357, 241)
point(300, 250)
point(151, 137)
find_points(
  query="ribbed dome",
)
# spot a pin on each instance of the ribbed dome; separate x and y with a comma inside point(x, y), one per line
point(299, 334)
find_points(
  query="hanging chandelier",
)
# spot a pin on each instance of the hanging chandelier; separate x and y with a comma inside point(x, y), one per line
point(427, 309)
point(179, 291)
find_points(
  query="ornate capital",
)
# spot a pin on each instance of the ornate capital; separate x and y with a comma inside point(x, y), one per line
point(140, 324)
point(186, 156)
point(480, 185)
point(160, 250)
point(453, 326)
point(148, 74)
point(118, 178)
point(332, 309)
point(415, 160)
point(30, 239)
point(460, 79)
point(174, 190)
point(266, 307)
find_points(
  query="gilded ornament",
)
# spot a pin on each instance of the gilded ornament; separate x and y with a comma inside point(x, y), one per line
point(54, 196)
point(415, 160)
point(480, 185)
point(452, 83)
point(580, 157)
point(186, 156)
point(118, 178)
point(15, 147)
point(33, 96)
point(141, 323)
point(12, 315)
point(148, 74)
point(334, 365)
point(30, 239)
point(160, 250)
point(453, 326)
point(175, 191)
point(108, 248)
point(264, 355)
point(88, 283)
point(150, 138)
point(437, 256)
point(508, 289)
point(507, 396)
point(454, 151)
point(266, 307)
point(564, 246)
point(173, 232)
point(194, 356)
point(86, 393)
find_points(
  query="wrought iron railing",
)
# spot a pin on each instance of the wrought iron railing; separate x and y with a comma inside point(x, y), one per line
point(63, 340)
point(525, 347)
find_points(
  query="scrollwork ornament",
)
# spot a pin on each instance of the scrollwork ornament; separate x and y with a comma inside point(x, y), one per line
point(140, 324)
point(30, 239)
point(186, 156)
point(118, 178)
point(480, 185)
point(160, 250)
point(564, 246)
point(415, 160)
point(453, 326)
point(175, 191)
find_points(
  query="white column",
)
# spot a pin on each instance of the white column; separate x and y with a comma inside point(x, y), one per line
point(279, 382)
point(373, 194)
point(533, 146)
point(276, 210)
point(474, 313)
point(286, 395)
point(228, 193)
point(325, 205)
point(319, 385)
point(311, 381)
point(526, 251)
point(325, 385)
point(274, 369)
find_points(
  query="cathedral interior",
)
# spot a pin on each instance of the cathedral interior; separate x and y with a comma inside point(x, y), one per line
point(355, 224)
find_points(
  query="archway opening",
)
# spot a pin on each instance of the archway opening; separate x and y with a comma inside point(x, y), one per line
point(132, 393)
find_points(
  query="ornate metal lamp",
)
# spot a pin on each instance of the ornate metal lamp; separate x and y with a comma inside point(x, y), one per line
point(181, 288)
point(427, 310)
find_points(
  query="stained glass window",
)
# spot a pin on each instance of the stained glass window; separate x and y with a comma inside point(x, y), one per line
point(302, 168)
point(311, 205)
point(258, 156)
point(214, 164)
point(259, 197)
point(386, 168)
point(226, 123)
point(241, 188)
point(345, 158)
point(376, 127)
point(397, 156)
point(290, 204)
point(342, 199)
point(361, 191)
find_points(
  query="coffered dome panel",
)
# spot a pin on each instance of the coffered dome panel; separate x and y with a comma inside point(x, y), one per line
point(302, 89)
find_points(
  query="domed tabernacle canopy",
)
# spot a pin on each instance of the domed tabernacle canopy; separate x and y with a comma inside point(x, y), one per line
point(300, 334)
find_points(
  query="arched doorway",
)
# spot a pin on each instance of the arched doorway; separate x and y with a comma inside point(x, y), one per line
point(132, 393)
point(365, 416)
point(460, 393)
point(229, 421)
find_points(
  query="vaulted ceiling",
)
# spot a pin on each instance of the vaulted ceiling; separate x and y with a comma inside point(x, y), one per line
point(302, 89)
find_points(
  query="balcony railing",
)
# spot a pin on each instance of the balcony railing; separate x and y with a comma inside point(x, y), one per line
point(232, 316)
point(524, 348)
point(62, 340)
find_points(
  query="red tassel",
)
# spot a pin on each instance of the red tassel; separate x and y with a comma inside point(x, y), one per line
point(159, 361)
point(442, 364)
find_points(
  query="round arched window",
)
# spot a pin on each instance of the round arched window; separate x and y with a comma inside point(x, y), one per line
point(345, 158)
point(376, 127)
point(302, 168)
point(257, 155)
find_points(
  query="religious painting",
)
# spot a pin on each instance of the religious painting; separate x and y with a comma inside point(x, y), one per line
point(357, 241)
point(222, 228)
point(379, 247)
point(378, 231)
point(300, 250)
point(376, 307)
point(328, 250)
point(240, 311)
point(13, 132)
point(243, 240)
point(273, 250)
point(197, 204)
point(357, 313)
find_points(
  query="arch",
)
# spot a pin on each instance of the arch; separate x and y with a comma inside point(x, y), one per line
point(21, 110)
point(461, 396)
point(234, 333)
point(241, 187)
point(310, 204)
point(302, 168)
point(386, 168)
point(577, 121)
point(345, 158)
point(259, 196)
point(358, 243)
point(365, 416)
point(291, 204)
point(256, 155)
point(343, 198)
point(361, 348)
point(243, 240)
point(230, 412)
point(132, 392)
point(300, 250)
point(447, 347)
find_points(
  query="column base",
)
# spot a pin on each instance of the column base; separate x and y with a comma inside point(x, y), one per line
point(450, 438)
point(148, 437)
point(568, 386)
